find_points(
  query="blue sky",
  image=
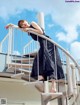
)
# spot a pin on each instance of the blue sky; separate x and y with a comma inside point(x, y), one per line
point(62, 19)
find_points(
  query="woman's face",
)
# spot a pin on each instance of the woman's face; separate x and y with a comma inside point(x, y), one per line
point(25, 24)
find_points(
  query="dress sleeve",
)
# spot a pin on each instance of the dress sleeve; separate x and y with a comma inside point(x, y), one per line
point(35, 37)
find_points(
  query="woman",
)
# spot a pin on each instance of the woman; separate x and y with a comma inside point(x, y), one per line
point(46, 57)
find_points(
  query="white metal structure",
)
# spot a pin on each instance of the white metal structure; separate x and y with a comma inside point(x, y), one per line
point(72, 89)
point(72, 69)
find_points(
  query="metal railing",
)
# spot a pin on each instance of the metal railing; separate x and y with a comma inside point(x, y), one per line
point(2, 42)
point(30, 47)
point(70, 66)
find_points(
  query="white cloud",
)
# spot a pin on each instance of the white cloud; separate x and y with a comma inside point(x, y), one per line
point(50, 25)
point(9, 8)
point(16, 53)
point(70, 36)
point(65, 14)
point(61, 36)
point(68, 17)
point(3, 12)
point(75, 50)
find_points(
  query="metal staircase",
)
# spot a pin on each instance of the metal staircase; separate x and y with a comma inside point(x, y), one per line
point(68, 92)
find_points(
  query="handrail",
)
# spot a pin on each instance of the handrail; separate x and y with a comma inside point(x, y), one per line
point(31, 43)
point(72, 87)
point(27, 46)
point(76, 95)
point(44, 37)
point(4, 38)
point(3, 42)
point(28, 43)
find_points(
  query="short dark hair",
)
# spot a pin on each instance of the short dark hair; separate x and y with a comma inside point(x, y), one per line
point(20, 23)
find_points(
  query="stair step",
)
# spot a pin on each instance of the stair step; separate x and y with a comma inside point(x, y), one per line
point(19, 65)
point(28, 78)
point(39, 86)
point(64, 81)
point(51, 96)
point(19, 75)
point(6, 75)
point(23, 60)
point(18, 70)
point(23, 70)
point(33, 54)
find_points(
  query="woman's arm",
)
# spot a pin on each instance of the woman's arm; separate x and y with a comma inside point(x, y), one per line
point(32, 29)
point(37, 28)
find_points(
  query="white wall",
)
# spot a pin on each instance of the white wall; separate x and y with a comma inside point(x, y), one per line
point(17, 93)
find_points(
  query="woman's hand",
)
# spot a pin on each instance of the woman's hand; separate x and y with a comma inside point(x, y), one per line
point(9, 25)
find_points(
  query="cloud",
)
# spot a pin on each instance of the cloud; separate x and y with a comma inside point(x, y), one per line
point(16, 53)
point(75, 50)
point(68, 17)
point(70, 36)
point(65, 14)
point(61, 36)
point(3, 12)
point(50, 25)
point(9, 8)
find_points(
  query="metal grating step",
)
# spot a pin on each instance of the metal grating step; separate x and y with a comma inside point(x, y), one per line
point(19, 75)
point(18, 65)
point(23, 60)
point(33, 54)
point(6, 75)
point(51, 96)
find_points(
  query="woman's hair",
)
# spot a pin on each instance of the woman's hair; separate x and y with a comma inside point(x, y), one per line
point(20, 23)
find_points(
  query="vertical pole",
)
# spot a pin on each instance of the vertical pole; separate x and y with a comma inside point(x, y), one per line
point(74, 80)
point(9, 46)
point(69, 79)
point(0, 47)
point(74, 84)
point(61, 88)
point(41, 23)
point(41, 20)
point(1, 43)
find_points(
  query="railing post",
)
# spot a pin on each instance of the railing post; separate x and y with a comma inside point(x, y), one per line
point(27, 45)
point(61, 88)
point(74, 80)
point(0, 47)
point(10, 45)
point(41, 23)
point(1, 43)
point(69, 79)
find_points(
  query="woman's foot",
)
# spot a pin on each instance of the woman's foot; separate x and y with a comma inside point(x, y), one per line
point(40, 78)
point(53, 90)
point(53, 87)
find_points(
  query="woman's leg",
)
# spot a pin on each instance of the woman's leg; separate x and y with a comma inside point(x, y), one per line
point(53, 86)
point(40, 77)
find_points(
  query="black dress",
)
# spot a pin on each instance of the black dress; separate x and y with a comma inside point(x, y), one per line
point(47, 61)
